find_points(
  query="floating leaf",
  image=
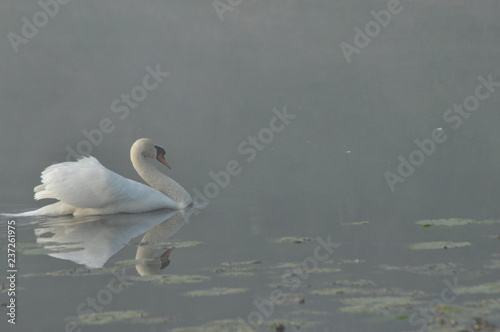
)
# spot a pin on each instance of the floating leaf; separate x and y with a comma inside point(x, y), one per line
point(356, 223)
point(310, 313)
point(172, 279)
point(225, 325)
point(106, 317)
point(428, 269)
point(455, 222)
point(341, 291)
point(216, 291)
point(230, 273)
point(352, 283)
point(242, 263)
point(345, 261)
point(438, 245)
point(487, 288)
point(137, 261)
point(495, 264)
point(291, 239)
point(377, 305)
point(47, 251)
point(179, 244)
point(73, 272)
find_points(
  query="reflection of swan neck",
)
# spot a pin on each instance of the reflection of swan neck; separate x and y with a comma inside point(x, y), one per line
point(157, 179)
point(147, 268)
point(150, 240)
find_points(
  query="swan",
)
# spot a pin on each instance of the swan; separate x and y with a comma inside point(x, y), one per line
point(85, 187)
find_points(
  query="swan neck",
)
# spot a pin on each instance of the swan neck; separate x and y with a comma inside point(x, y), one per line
point(159, 181)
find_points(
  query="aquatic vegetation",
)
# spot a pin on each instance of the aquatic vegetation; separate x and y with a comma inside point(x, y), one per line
point(494, 264)
point(225, 325)
point(345, 261)
point(380, 305)
point(238, 269)
point(47, 248)
point(291, 239)
point(232, 273)
point(132, 262)
point(462, 317)
point(427, 269)
point(177, 244)
point(365, 291)
point(486, 288)
point(242, 263)
point(106, 317)
point(295, 266)
point(171, 279)
point(438, 245)
point(455, 222)
point(352, 283)
point(127, 316)
point(356, 223)
point(310, 313)
point(216, 291)
point(324, 270)
point(76, 272)
point(342, 291)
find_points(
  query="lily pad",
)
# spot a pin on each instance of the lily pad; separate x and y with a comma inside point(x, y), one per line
point(366, 291)
point(324, 270)
point(454, 222)
point(438, 245)
point(225, 325)
point(172, 279)
point(494, 264)
point(46, 251)
point(73, 272)
point(179, 244)
point(311, 313)
point(231, 273)
point(357, 223)
point(341, 291)
point(107, 317)
point(242, 263)
point(216, 291)
point(378, 305)
point(487, 288)
point(344, 261)
point(428, 269)
point(351, 283)
point(132, 262)
point(291, 239)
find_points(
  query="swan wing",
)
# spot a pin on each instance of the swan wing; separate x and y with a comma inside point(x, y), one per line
point(88, 184)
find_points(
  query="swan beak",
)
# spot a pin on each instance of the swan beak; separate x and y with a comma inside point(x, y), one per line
point(161, 159)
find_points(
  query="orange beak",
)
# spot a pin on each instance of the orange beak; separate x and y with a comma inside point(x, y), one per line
point(161, 159)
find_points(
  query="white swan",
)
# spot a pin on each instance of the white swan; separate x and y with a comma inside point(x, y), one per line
point(85, 187)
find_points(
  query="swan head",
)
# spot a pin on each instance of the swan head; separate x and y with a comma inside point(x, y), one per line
point(147, 148)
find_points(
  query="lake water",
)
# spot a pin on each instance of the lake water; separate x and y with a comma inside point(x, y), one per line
point(347, 154)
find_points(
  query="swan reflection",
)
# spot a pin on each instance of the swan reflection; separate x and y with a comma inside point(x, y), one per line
point(92, 240)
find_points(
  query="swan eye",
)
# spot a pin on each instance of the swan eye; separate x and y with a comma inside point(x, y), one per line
point(159, 150)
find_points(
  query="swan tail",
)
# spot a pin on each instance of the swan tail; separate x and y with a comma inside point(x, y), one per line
point(43, 193)
point(56, 209)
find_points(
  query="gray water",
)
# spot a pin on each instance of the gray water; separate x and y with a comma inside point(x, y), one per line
point(340, 121)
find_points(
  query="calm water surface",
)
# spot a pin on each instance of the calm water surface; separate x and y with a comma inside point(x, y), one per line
point(232, 244)
point(333, 136)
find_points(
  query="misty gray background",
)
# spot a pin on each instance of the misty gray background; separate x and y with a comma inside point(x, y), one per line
point(225, 77)
point(326, 168)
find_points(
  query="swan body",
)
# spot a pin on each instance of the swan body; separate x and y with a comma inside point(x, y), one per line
point(86, 187)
